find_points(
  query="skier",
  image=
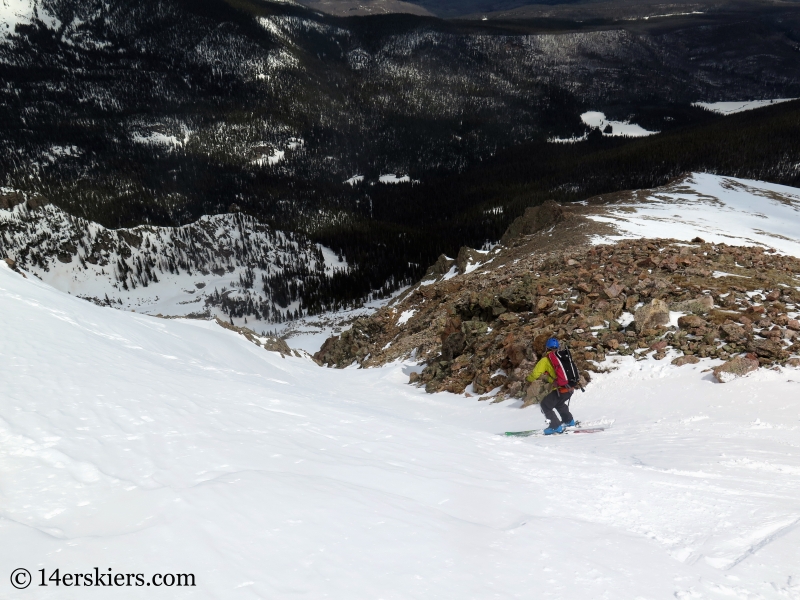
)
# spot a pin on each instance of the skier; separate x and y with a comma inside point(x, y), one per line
point(557, 399)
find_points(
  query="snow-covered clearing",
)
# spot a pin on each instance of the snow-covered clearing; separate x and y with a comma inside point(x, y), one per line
point(618, 128)
point(151, 446)
point(13, 13)
point(597, 120)
point(392, 178)
point(718, 209)
point(729, 108)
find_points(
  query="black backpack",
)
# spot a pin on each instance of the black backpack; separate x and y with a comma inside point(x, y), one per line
point(570, 368)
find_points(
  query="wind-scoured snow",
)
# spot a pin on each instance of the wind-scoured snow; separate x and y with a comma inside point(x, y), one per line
point(729, 108)
point(717, 209)
point(150, 446)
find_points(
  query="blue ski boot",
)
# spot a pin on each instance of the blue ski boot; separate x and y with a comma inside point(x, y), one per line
point(551, 430)
point(570, 424)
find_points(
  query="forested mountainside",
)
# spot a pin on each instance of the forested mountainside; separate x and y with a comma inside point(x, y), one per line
point(162, 111)
point(228, 266)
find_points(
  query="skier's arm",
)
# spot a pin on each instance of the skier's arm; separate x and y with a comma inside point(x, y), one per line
point(542, 367)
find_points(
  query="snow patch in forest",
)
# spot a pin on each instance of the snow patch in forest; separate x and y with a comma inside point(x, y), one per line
point(618, 128)
point(393, 178)
point(355, 179)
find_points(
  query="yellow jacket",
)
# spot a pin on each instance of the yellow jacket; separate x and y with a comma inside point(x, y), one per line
point(543, 366)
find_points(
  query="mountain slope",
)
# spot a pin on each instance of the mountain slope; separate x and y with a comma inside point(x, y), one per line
point(229, 266)
point(149, 446)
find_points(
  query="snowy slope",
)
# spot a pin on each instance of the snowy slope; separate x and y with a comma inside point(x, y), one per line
point(730, 108)
point(718, 209)
point(160, 446)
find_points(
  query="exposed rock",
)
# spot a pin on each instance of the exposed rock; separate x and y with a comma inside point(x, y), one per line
point(698, 306)
point(9, 200)
point(467, 255)
point(768, 348)
point(487, 329)
point(651, 315)
point(687, 359)
point(37, 201)
point(270, 343)
point(732, 332)
point(737, 367)
point(535, 393)
point(691, 322)
point(534, 219)
point(793, 324)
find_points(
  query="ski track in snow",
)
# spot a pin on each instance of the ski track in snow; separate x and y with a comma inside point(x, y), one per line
point(270, 477)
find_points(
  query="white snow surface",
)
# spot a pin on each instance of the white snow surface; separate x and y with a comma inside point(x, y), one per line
point(392, 178)
point(717, 209)
point(143, 445)
point(13, 13)
point(618, 128)
point(23, 12)
point(729, 108)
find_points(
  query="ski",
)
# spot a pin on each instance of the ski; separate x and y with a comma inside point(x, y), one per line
point(570, 430)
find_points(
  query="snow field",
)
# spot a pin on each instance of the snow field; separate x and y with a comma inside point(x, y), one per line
point(729, 108)
point(718, 209)
point(155, 446)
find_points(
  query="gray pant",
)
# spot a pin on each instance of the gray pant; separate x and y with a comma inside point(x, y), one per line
point(556, 402)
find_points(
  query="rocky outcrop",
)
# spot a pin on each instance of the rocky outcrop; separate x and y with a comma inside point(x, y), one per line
point(736, 367)
point(534, 219)
point(483, 331)
point(269, 343)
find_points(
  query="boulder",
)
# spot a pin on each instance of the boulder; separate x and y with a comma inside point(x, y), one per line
point(731, 332)
point(535, 393)
point(767, 348)
point(467, 256)
point(687, 359)
point(691, 322)
point(614, 290)
point(442, 265)
point(736, 367)
point(534, 219)
point(793, 324)
point(37, 201)
point(453, 345)
point(698, 306)
point(651, 315)
point(9, 200)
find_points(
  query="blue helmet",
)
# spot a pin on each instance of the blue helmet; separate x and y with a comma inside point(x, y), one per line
point(551, 344)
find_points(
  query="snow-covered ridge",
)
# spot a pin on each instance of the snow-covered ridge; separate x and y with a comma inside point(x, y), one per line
point(729, 108)
point(228, 265)
point(719, 209)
